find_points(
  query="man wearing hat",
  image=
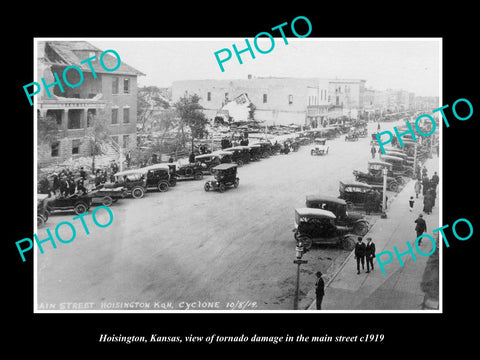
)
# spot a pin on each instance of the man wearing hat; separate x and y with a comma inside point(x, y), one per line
point(360, 254)
point(369, 253)
point(319, 289)
point(421, 227)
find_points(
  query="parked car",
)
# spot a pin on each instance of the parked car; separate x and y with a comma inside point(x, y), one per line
point(133, 182)
point(107, 196)
point(399, 166)
point(240, 154)
point(374, 175)
point(317, 226)
point(360, 194)
point(158, 176)
point(225, 176)
point(255, 152)
point(320, 147)
point(193, 171)
point(210, 160)
point(351, 136)
point(76, 202)
point(355, 222)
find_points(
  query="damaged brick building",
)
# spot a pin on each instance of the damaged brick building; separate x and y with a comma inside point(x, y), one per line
point(111, 96)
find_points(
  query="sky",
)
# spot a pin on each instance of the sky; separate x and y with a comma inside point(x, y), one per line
point(386, 63)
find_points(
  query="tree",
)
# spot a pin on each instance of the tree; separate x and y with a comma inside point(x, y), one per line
point(148, 102)
point(190, 113)
point(47, 130)
point(97, 134)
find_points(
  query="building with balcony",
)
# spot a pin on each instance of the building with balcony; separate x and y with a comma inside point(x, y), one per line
point(110, 97)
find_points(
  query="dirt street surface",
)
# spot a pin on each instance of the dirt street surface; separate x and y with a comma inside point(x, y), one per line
point(188, 245)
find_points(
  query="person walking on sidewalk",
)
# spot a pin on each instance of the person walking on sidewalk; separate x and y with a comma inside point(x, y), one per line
point(418, 187)
point(421, 227)
point(369, 253)
point(410, 203)
point(373, 151)
point(319, 290)
point(360, 254)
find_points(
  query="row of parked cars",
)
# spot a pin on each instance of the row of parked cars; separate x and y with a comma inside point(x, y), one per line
point(332, 220)
point(160, 177)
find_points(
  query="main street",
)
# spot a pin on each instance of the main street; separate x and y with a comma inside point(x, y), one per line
point(188, 245)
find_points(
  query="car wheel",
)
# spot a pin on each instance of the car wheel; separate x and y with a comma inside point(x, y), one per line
point(305, 240)
point(393, 186)
point(236, 182)
point(239, 162)
point(348, 243)
point(163, 186)
point(80, 208)
point(40, 220)
point(360, 228)
point(311, 152)
point(207, 186)
point(107, 201)
point(138, 192)
point(221, 188)
point(188, 172)
point(198, 176)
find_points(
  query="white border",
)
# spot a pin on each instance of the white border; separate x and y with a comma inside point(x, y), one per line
point(311, 312)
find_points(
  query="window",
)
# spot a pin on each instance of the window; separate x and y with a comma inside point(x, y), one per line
point(115, 139)
point(126, 139)
point(126, 115)
point(126, 86)
point(115, 85)
point(55, 149)
point(76, 146)
point(115, 116)
point(74, 118)
point(264, 98)
point(91, 117)
point(209, 96)
point(290, 99)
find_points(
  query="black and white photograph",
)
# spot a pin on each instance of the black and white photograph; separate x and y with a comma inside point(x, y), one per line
point(230, 190)
point(213, 178)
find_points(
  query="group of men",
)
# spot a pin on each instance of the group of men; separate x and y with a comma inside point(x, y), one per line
point(63, 183)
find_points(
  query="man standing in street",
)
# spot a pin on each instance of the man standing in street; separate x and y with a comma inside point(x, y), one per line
point(319, 290)
point(421, 227)
point(360, 254)
point(369, 253)
point(373, 151)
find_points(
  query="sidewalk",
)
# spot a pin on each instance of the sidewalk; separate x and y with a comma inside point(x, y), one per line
point(399, 288)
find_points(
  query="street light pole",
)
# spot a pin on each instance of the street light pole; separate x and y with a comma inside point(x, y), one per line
point(298, 261)
point(384, 200)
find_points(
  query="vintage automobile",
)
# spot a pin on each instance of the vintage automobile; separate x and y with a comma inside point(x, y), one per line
point(399, 153)
point(351, 136)
point(317, 226)
point(133, 182)
point(106, 196)
point(190, 171)
point(399, 166)
point(240, 154)
point(265, 148)
point(76, 202)
point(225, 176)
point(360, 194)
point(158, 176)
point(255, 152)
point(213, 159)
point(320, 147)
point(374, 175)
point(354, 221)
point(362, 132)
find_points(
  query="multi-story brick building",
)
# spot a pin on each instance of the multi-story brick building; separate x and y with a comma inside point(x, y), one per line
point(111, 96)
